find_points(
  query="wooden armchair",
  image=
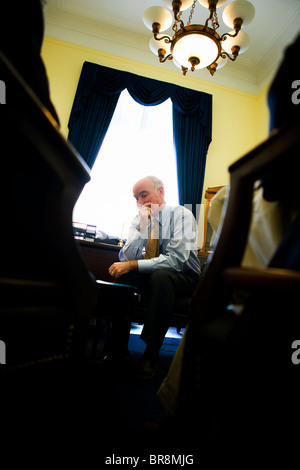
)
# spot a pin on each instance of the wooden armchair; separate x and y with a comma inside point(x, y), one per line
point(47, 294)
point(238, 382)
point(210, 192)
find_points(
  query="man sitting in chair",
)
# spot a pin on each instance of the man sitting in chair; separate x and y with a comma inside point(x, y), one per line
point(160, 258)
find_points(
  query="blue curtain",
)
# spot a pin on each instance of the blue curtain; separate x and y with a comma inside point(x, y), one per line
point(96, 97)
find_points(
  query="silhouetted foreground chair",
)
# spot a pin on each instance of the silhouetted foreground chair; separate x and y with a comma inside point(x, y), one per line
point(47, 294)
point(238, 381)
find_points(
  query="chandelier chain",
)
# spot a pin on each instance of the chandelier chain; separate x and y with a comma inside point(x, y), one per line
point(213, 18)
point(191, 12)
point(177, 20)
point(215, 21)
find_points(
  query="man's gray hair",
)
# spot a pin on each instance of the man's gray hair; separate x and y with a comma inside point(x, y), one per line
point(156, 182)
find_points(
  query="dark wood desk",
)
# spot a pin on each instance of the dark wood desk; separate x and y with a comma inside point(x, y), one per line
point(97, 257)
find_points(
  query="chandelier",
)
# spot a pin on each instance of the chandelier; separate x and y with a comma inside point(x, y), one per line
point(196, 46)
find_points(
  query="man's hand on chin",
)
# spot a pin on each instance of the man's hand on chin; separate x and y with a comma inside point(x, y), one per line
point(117, 270)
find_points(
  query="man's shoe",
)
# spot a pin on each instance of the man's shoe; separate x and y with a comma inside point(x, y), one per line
point(146, 370)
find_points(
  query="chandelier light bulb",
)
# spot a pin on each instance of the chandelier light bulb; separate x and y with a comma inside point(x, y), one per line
point(238, 9)
point(156, 45)
point(217, 65)
point(242, 40)
point(158, 15)
point(187, 49)
point(221, 62)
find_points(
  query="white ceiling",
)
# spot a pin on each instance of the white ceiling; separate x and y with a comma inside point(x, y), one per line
point(116, 27)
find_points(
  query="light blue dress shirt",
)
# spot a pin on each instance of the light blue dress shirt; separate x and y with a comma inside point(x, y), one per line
point(177, 243)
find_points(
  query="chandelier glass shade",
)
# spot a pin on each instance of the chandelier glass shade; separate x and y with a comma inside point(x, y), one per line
point(196, 46)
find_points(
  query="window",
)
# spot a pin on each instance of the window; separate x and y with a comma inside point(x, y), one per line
point(139, 142)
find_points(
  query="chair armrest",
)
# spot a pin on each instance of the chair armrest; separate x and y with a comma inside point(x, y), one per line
point(261, 278)
point(117, 291)
point(28, 291)
point(29, 283)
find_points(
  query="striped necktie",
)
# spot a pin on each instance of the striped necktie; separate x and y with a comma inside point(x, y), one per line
point(153, 243)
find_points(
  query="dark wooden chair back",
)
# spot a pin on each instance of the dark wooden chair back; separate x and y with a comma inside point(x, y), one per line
point(228, 376)
point(47, 294)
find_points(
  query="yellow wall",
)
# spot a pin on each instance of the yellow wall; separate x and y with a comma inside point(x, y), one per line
point(240, 122)
point(240, 119)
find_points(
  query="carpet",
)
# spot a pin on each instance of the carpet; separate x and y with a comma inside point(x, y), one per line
point(138, 401)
